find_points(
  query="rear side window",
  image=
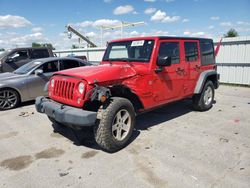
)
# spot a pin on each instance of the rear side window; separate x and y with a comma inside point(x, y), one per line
point(51, 66)
point(170, 49)
point(39, 53)
point(207, 53)
point(191, 51)
point(19, 55)
point(69, 64)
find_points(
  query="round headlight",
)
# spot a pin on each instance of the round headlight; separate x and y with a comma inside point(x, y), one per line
point(52, 83)
point(81, 87)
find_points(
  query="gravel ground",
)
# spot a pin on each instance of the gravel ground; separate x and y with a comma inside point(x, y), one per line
point(171, 147)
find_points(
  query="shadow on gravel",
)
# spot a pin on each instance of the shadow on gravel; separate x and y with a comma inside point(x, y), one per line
point(27, 103)
point(85, 137)
point(163, 114)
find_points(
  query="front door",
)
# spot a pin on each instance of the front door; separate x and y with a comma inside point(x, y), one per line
point(169, 82)
point(36, 83)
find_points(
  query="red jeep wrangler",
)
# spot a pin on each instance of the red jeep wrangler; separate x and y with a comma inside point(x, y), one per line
point(135, 75)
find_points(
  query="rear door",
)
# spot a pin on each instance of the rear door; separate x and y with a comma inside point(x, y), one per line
point(193, 64)
point(169, 83)
point(68, 64)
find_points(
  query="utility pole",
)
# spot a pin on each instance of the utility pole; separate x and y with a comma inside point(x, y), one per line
point(121, 26)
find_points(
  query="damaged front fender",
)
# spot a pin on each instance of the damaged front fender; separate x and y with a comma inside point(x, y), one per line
point(99, 93)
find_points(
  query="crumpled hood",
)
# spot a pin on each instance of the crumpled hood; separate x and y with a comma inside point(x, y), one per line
point(101, 73)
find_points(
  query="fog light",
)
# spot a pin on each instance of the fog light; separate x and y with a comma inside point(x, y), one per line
point(79, 100)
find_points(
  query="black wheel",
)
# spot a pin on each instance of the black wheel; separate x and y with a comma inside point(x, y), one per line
point(204, 100)
point(116, 124)
point(9, 99)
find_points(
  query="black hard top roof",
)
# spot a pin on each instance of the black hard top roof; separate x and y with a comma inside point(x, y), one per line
point(185, 38)
point(163, 38)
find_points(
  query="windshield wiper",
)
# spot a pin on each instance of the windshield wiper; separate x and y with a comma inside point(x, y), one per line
point(118, 59)
point(19, 72)
point(121, 59)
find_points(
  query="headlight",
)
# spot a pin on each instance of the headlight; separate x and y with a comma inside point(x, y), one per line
point(52, 83)
point(81, 87)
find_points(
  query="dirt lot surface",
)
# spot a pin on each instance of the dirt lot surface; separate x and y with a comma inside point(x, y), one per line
point(171, 147)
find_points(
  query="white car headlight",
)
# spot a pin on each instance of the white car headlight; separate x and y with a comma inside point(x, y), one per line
point(81, 87)
point(52, 83)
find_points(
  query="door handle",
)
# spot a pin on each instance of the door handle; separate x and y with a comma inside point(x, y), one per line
point(179, 69)
point(197, 67)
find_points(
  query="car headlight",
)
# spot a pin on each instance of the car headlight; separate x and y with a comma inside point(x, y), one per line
point(52, 83)
point(81, 87)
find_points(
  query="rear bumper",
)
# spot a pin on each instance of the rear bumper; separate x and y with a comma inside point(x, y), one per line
point(64, 114)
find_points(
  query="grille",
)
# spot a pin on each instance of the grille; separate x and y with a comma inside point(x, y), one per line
point(64, 89)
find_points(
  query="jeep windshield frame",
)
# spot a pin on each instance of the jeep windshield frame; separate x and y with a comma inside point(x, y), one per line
point(129, 51)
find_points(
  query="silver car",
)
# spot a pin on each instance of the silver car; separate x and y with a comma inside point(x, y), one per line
point(28, 81)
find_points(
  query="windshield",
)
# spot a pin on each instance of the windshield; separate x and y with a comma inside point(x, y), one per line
point(27, 67)
point(138, 50)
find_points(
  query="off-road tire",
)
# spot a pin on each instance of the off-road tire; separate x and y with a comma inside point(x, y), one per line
point(199, 102)
point(103, 132)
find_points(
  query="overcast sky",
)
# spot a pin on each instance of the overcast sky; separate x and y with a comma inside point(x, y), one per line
point(25, 21)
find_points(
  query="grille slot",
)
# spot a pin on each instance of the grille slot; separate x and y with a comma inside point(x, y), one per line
point(64, 89)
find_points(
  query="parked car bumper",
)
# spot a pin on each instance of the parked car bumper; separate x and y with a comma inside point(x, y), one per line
point(64, 114)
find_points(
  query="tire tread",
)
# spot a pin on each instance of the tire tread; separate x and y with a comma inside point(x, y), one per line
point(102, 133)
point(198, 103)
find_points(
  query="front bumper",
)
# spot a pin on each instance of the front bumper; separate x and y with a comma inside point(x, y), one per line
point(64, 114)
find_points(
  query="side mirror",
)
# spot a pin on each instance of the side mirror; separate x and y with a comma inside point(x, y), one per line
point(9, 60)
point(164, 61)
point(38, 72)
